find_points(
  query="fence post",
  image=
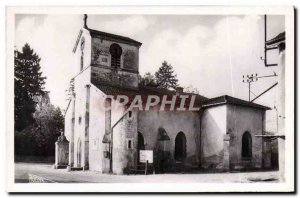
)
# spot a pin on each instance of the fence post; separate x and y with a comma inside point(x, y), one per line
point(146, 167)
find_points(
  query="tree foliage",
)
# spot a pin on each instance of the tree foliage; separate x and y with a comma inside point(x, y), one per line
point(71, 90)
point(39, 138)
point(29, 83)
point(49, 122)
point(191, 89)
point(165, 76)
point(37, 121)
point(148, 80)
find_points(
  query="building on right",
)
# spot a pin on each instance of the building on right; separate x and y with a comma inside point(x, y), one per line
point(229, 130)
point(279, 43)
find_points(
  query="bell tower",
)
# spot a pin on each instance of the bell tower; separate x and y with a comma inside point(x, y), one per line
point(114, 59)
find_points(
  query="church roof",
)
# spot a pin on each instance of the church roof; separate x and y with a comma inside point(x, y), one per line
point(144, 92)
point(231, 100)
point(200, 101)
point(113, 36)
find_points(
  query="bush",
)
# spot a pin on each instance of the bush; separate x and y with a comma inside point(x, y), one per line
point(25, 144)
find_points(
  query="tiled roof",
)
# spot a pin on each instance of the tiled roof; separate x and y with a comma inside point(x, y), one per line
point(116, 90)
point(114, 36)
point(231, 100)
point(144, 92)
point(280, 37)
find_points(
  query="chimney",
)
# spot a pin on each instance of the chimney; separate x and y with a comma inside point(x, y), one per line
point(179, 90)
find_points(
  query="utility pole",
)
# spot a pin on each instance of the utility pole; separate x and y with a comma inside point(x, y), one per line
point(276, 119)
point(266, 49)
point(250, 78)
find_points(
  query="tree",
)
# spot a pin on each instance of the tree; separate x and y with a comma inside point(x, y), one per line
point(49, 121)
point(148, 80)
point(38, 139)
point(165, 77)
point(29, 83)
point(191, 89)
point(71, 90)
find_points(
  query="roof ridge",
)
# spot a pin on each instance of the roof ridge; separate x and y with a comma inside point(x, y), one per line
point(114, 86)
point(234, 100)
point(117, 36)
point(140, 90)
point(172, 91)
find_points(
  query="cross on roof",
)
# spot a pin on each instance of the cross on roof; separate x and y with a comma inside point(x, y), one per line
point(85, 20)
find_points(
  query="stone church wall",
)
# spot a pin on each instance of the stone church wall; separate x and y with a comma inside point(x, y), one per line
point(100, 50)
point(239, 120)
point(124, 152)
point(114, 77)
point(172, 122)
point(80, 112)
point(82, 78)
point(68, 122)
point(125, 75)
point(213, 131)
point(222, 128)
point(97, 129)
point(86, 51)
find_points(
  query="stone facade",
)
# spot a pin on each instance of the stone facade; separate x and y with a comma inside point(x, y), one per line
point(109, 140)
point(126, 74)
point(173, 123)
point(213, 133)
point(222, 130)
point(241, 120)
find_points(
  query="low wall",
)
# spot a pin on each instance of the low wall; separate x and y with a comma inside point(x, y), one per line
point(37, 159)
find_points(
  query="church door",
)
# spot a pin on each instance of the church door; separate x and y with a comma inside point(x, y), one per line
point(180, 147)
point(246, 145)
point(140, 145)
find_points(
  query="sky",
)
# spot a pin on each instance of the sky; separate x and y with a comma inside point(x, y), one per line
point(209, 52)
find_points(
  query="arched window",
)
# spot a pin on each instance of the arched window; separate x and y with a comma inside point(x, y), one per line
point(115, 52)
point(180, 147)
point(246, 145)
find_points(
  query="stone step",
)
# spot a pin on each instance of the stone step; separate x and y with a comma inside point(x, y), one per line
point(60, 166)
point(76, 168)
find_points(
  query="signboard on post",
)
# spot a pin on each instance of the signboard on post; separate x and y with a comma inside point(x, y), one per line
point(146, 155)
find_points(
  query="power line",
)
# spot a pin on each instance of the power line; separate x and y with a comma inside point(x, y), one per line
point(250, 78)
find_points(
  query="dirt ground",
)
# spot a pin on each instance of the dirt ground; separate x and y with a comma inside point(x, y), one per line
point(38, 172)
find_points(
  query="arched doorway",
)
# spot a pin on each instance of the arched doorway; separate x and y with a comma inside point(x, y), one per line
point(162, 153)
point(140, 144)
point(246, 145)
point(79, 153)
point(180, 147)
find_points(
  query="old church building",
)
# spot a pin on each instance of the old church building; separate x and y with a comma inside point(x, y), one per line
point(221, 135)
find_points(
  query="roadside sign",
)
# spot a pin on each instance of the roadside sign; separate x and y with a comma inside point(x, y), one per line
point(146, 155)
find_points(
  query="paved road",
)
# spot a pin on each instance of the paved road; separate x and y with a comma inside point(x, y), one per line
point(45, 173)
